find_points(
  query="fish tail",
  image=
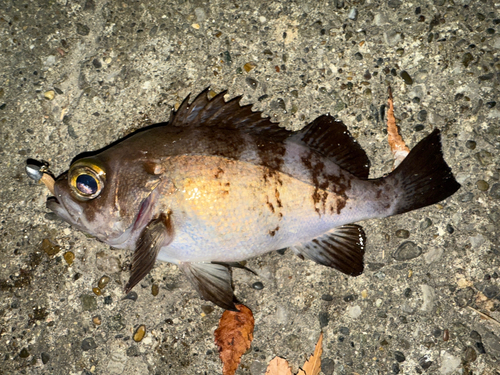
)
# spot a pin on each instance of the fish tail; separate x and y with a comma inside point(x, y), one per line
point(423, 177)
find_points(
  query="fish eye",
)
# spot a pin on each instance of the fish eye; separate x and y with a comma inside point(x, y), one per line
point(86, 179)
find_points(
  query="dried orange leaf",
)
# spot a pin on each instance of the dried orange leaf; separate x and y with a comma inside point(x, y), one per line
point(278, 366)
point(398, 146)
point(234, 336)
point(313, 364)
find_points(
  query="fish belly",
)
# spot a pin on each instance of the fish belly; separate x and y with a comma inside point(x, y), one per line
point(225, 210)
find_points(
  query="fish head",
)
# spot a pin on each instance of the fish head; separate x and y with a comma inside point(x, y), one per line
point(108, 196)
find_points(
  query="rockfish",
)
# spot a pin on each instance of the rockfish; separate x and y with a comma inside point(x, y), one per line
point(219, 184)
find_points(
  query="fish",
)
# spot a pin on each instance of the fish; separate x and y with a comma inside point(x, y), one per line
point(219, 183)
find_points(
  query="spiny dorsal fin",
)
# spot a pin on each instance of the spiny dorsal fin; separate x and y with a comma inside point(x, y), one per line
point(331, 138)
point(341, 248)
point(231, 115)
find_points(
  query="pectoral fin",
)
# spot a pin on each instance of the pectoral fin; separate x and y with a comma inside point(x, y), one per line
point(342, 248)
point(157, 234)
point(212, 281)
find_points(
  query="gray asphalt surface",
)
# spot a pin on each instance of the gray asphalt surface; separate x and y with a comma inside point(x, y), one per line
point(77, 75)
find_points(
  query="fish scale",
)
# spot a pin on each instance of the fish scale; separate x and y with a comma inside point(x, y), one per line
point(219, 184)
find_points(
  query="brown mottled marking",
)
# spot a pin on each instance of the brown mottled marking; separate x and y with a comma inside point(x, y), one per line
point(272, 233)
point(269, 204)
point(277, 195)
point(325, 183)
point(219, 173)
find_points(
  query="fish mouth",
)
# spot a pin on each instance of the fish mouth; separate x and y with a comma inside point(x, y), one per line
point(60, 209)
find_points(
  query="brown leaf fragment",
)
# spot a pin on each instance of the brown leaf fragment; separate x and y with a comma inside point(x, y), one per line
point(398, 146)
point(278, 366)
point(313, 364)
point(234, 336)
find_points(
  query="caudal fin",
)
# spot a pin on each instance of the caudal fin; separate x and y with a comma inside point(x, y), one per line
point(423, 177)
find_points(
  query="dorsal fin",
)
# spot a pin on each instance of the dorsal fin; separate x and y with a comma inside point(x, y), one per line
point(231, 115)
point(331, 138)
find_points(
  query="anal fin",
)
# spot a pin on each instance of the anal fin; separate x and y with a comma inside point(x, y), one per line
point(341, 248)
point(157, 234)
point(212, 281)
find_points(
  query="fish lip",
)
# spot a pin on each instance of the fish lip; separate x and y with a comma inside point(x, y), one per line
point(60, 209)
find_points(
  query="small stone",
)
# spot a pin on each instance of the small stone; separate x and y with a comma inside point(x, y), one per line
point(395, 368)
point(228, 60)
point(429, 297)
point(258, 285)
point(69, 257)
point(492, 342)
point(24, 353)
point(482, 185)
point(116, 323)
point(89, 303)
point(88, 344)
point(402, 233)
point(400, 51)
point(49, 95)
point(97, 291)
point(200, 14)
point(207, 309)
point(477, 241)
point(495, 191)
point(131, 295)
point(470, 354)
point(96, 320)
point(486, 77)
point(449, 363)
point(108, 300)
point(471, 145)
point(324, 319)
point(97, 64)
point(491, 104)
point(467, 58)
point(82, 29)
point(354, 311)
point(251, 82)
point(406, 251)
point(463, 297)
point(50, 248)
point(425, 362)
point(249, 66)
point(425, 224)
point(394, 4)
point(358, 56)
point(422, 115)
point(406, 77)
point(327, 297)
point(392, 37)
point(155, 289)
point(133, 351)
point(407, 292)
point(450, 229)
point(103, 281)
point(327, 366)
point(484, 157)
point(434, 254)
point(353, 14)
point(139, 333)
point(45, 358)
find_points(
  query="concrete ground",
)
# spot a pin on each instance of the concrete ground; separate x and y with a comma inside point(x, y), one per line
point(77, 75)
